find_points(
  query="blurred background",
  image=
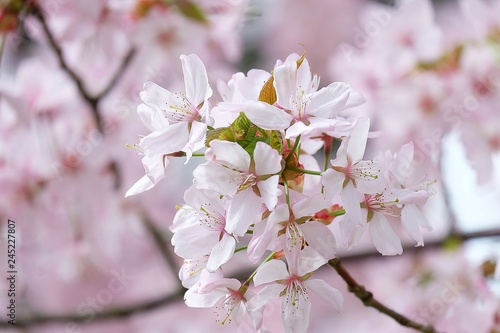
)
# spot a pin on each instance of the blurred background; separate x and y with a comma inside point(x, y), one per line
point(90, 260)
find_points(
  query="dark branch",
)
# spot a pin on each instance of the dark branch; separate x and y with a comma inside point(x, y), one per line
point(92, 101)
point(367, 298)
point(105, 315)
point(170, 299)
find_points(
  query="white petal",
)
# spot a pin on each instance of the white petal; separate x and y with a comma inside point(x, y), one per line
point(332, 181)
point(195, 300)
point(230, 154)
point(269, 191)
point(155, 165)
point(383, 237)
point(309, 260)
point(152, 119)
point(166, 141)
point(355, 99)
point(320, 238)
point(243, 210)
point(327, 293)
point(297, 129)
point(327, 102)
point(221, 252)
point(267, 160)
point(285, 82)
point(140, 186)
point(271, 271)
point(267, 116)
point(263, 234)
point(412, 219)
point(357, 141)
point(310, 206)
point(215, 177)
point(264, 296)
point(295, 311)
point(194, 242)
point(196, 79)
point(351, 231)
point(350, 202)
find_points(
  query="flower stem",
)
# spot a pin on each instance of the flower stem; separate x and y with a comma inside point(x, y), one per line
point(295, 145)
point(337, 212)
point(250, 278)
point(367, 298)
point(240, 249)
point(309, 172)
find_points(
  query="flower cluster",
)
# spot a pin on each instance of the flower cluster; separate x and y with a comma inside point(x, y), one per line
point(261, 186)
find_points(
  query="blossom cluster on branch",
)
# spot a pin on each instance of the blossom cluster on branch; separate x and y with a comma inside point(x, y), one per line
point(261, 178)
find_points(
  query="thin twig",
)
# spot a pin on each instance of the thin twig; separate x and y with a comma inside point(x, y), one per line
point(104, 315)
point(92, 101)
point(367, 298)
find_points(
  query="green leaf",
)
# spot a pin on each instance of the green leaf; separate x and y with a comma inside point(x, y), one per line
point(275, 140)
point(223, 133)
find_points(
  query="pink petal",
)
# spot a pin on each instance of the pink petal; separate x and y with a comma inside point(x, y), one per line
point(327, 293)
point(267, 116)
point(271, 271)
point(383, 237)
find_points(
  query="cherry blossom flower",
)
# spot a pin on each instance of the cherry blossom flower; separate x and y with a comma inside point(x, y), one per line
point(350, 174)
point(231, 171)
point(202, 229)
point(176, 121)
point(292, 285)
point(300, 107)
point(228, 297)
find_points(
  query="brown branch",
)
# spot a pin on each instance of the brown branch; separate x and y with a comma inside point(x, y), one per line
point(177, 296)
point(367, 298)
point(104, 315)
point(92, 101)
